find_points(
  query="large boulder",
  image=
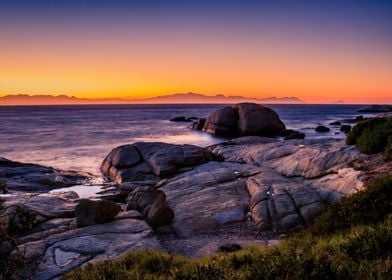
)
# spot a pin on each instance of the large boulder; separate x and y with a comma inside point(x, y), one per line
point(244, 119)
point(255, 119)
point(147, 161)
point(222, 122)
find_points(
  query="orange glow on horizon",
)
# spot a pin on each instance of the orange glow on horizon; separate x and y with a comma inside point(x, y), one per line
point(92, 68)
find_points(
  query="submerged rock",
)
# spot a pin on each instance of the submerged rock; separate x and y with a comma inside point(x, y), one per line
point(322, 128)
point(181, 119)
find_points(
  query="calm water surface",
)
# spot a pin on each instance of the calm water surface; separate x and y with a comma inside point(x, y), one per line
point(79, 137)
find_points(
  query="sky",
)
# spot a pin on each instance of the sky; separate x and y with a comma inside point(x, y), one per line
point(319, 51)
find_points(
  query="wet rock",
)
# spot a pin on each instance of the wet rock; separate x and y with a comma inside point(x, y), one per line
point(89, 212)
point(322, 128)
point(180, 119)
point(335, 123)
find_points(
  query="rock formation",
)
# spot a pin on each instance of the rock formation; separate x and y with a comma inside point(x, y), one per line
point(180, 190)
point(241, 120)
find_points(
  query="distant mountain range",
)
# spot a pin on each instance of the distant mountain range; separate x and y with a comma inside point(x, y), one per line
point(177, 98)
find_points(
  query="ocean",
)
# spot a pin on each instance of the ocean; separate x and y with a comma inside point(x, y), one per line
point(78, 137)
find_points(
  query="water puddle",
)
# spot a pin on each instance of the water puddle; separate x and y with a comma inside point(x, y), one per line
point(64, 258)
point(83, 191)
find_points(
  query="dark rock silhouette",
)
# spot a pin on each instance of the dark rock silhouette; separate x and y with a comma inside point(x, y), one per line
point(244, 119)
point(322, 128)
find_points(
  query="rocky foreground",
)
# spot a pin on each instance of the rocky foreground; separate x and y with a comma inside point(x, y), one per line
point(183, 198)
point(179, 198)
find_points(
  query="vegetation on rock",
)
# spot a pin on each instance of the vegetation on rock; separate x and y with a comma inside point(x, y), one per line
point(352, 239)
point(372, 136)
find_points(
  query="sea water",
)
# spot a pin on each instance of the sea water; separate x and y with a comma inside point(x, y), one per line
point(78, 137)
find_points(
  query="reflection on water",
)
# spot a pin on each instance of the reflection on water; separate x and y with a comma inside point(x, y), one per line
point(79, 137)
point(83, 191)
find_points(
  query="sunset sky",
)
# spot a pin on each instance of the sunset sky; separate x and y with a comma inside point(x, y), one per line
point(319, 51)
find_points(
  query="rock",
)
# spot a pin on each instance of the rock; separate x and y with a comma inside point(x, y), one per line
point(244, 119)
point(208, 196)
point(148, 161)
point(120, 157)
point(229, 248)
point(307, 158)
point(361, 118)
point(322, 128)
point(345, 128)
point(63, 252)
point(197, 125)
point(160, 214)
point(222, 122)
point(229, 216)
point(276, 202)
point(255, 119)
point(36, 178)
point(90, 212)
point(181, 119)
point(50, 205)
point(335, 123)
point(376, 109)
point(297, 135)
point(152, 205)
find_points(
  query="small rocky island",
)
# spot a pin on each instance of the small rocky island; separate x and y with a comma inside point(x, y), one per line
point(185, 199)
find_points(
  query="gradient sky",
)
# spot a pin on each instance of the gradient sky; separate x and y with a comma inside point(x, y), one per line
point(320, 51)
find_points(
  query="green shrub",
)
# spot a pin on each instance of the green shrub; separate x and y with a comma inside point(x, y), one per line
point(368, 206)
point(351, 240)
point(371, 136)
